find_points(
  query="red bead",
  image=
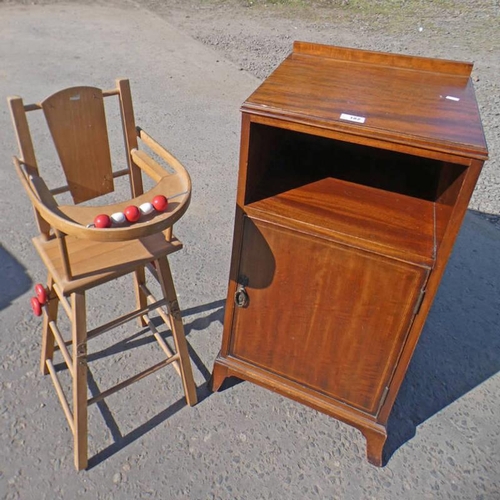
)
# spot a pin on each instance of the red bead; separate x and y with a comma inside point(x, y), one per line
point(160, 203)
point(101, 221)
point(36, 306)
point(132, 213)
point(41, 293)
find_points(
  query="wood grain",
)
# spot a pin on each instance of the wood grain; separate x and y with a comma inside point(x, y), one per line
point(374, 219)
point(93, 262)
point(77, 122)
point(400, 104)
point(338, 328)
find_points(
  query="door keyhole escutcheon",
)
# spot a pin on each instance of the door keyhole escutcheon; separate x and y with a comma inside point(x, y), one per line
point(241, 298)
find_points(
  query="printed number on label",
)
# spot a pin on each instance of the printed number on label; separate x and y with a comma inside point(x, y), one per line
point(352, 118)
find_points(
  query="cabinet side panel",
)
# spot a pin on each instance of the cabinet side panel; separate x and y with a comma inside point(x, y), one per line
point(450, 183)
point(327, 316)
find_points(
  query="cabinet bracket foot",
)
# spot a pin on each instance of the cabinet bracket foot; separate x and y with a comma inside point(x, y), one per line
point(375, 441)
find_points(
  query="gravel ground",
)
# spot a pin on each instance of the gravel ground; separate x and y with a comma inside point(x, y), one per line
point(242, 443)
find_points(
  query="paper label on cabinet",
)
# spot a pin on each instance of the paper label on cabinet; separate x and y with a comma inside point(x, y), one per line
point(352, 118)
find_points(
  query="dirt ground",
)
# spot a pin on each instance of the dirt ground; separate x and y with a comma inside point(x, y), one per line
point(257, 34)
point(245, 442)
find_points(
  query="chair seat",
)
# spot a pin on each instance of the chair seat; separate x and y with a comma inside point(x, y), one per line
point(93, 262)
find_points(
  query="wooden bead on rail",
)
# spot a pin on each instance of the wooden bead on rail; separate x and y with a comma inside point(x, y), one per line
point(131, 213)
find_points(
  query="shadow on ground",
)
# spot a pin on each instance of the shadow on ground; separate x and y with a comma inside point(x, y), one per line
point(120, 441)
point(14, 280)
point(460, 344)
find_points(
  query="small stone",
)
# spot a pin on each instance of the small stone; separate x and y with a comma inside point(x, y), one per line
point(117, 478)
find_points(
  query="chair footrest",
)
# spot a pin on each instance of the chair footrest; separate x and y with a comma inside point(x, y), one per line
point(132, 379)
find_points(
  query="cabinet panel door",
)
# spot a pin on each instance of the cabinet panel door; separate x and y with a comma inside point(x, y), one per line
point(331, 317)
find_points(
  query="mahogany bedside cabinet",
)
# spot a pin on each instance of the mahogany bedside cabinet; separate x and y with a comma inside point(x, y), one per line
point(356, 169)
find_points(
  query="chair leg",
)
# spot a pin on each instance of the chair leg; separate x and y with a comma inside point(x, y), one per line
point(141, 300)
point(79, 336)
point(167, 285)
point(47, 335)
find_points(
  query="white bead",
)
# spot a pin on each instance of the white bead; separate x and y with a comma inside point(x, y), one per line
point(118, 218)
point(146, 208)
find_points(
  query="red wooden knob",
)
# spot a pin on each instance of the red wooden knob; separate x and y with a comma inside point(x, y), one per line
point(36, 306)
point(132, 213)
point(41, 293)
point(101, 221)
point(160, 203)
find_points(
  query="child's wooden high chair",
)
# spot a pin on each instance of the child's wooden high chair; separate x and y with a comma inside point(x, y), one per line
point(80, 255)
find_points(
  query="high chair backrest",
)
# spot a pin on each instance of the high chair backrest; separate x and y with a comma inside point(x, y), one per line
point(77, 122)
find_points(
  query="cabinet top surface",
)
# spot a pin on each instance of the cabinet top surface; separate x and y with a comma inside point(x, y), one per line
point(404, 99)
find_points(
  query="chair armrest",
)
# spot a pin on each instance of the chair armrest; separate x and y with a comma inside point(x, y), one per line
point(45, 204)
point(148, 165)
point(161, 151)
point(39, 194)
